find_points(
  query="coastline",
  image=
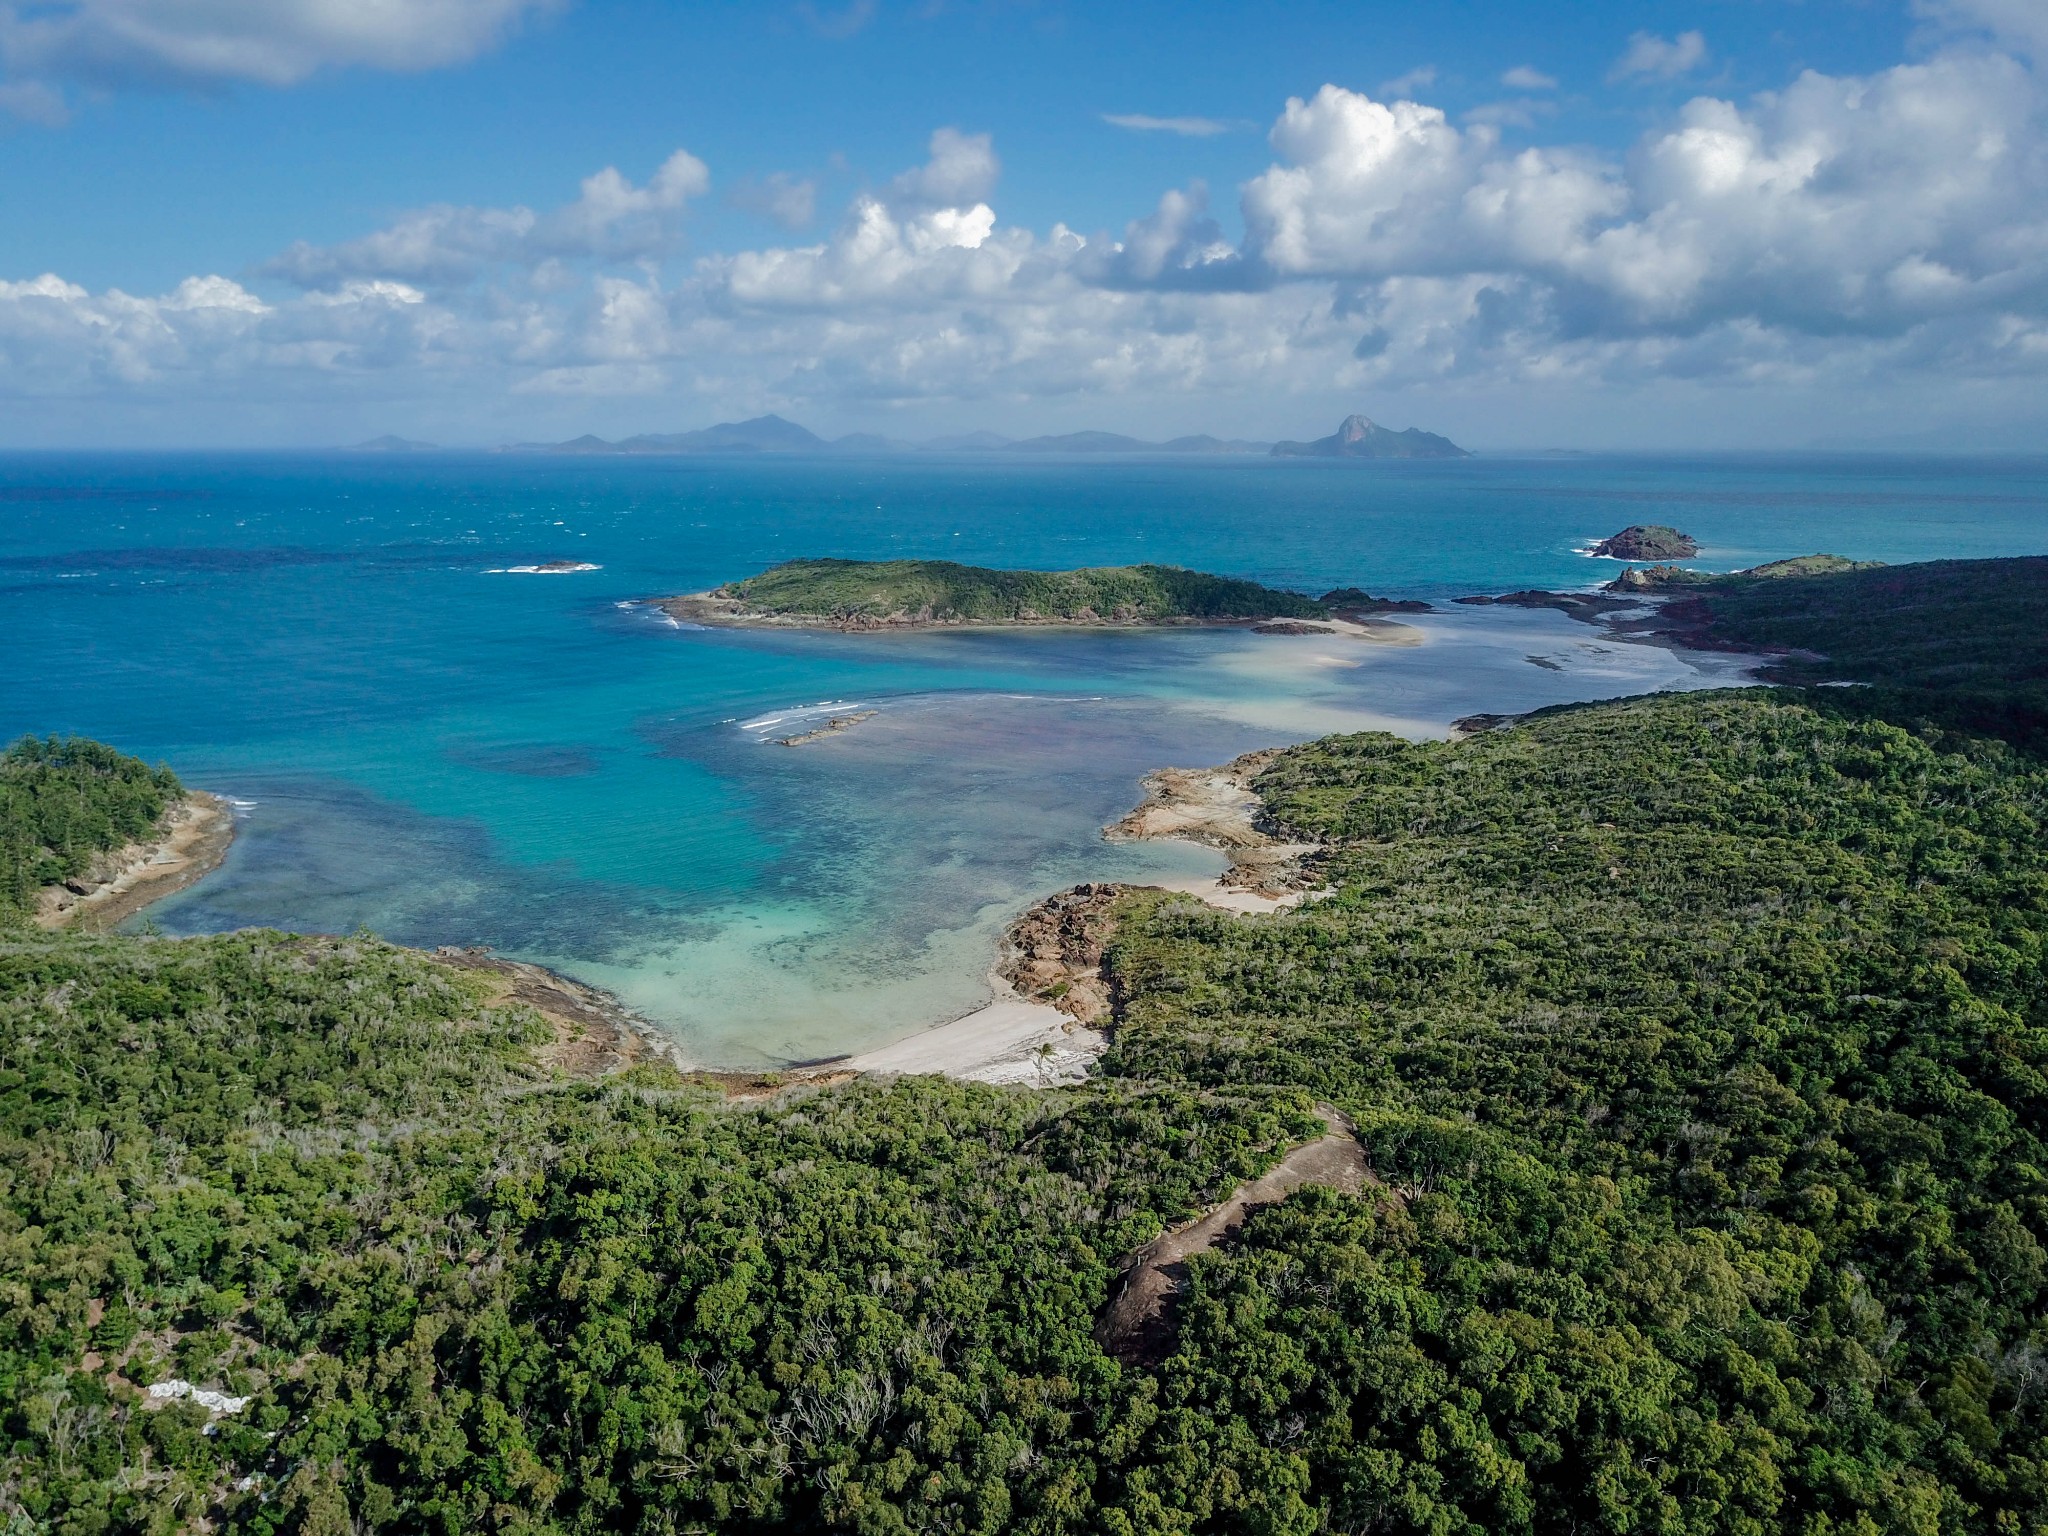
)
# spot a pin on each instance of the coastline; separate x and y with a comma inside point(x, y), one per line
point(713, 611)
point(1045, 1026)
point(193, 839)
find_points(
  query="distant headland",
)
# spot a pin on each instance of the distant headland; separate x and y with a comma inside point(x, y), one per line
point(922, 594)
point(1356, 438)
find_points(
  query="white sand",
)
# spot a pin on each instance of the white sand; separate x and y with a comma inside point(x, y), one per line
point(1009, 1041)
point(1230, 898)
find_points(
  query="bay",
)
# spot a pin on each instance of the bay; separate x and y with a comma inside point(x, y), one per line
point(427, 746)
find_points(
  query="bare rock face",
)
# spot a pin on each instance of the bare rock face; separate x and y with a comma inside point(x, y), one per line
point(1648, 541)
point(1053, 953)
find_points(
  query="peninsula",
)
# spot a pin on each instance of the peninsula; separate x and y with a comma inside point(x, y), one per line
point(919, 594)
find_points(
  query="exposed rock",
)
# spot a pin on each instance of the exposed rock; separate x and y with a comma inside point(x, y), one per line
point(1218, 808)
point(831, 727)
point(1053, 953)
point(1648, 541)
point(594, 1032)
point(1356, 602)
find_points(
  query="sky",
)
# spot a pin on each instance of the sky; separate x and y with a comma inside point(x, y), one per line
point(1699, 224)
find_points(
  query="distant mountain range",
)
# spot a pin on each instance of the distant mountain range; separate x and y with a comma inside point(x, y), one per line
point(1357, 438)
point(1362, 438)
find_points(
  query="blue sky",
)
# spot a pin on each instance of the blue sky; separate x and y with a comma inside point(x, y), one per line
point(1714, 223)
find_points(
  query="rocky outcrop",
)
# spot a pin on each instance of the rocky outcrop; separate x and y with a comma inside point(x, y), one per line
point(831, 727)
point(1218, 808)
point(1053, 953)
point(1356, 603)
point(1647, 541)
point(595, 1034)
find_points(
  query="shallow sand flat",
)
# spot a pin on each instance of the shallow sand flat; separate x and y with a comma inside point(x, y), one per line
point(1008, 1041)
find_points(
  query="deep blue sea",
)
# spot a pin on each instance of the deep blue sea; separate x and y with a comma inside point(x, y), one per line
point(429, 747)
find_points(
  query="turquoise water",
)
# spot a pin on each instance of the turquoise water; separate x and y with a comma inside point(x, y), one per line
point(443, 753)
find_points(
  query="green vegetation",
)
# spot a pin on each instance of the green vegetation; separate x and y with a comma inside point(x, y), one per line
point(63, 800)
point(1659, 577)
point(1952, 627)
point(1704, 1040)
point(1700, 1042)
point(328, 1175)
point(939, 591)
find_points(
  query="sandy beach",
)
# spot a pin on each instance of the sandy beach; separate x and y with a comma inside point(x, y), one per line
point(1010, 1040)
point(1051, 990)
point(194, 839)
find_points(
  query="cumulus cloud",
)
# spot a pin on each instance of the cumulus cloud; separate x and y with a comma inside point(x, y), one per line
point(1657, 58)
point(1837, 205)
point(1524, 78)
point(962, 169)
point(1185, 127)
point(116, 43)
point(1892, 226)
point(445, 244)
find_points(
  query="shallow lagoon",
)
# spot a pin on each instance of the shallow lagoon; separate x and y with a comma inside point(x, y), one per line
point(447, 755)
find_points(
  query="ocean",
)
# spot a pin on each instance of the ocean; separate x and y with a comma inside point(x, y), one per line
point(424, 744)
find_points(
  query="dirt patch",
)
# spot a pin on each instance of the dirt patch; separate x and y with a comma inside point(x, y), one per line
point(1138, 1324)
point(191, 840)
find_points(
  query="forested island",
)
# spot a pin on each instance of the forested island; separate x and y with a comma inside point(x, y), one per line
point(1696, 1047)
point(901, 594)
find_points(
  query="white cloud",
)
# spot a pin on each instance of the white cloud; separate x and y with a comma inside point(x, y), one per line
point(791, 201)
point(2022, 24)
point(1653, 57)
point(962, 169)
point(1185, 127)
point(1524, 78)
point(446, 245)
point(1819, 209)
point(118, 43)
point(1838, 237)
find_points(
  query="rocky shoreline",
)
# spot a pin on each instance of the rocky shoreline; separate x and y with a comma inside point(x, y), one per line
point(191, 841)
